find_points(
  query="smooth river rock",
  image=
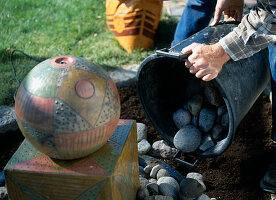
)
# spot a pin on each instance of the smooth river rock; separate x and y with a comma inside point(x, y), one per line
point(168, 186)
point(141, 131)
point(206, 119)
point(195, 103)
point(187, 139)
point(181, 118)
point(143, 147)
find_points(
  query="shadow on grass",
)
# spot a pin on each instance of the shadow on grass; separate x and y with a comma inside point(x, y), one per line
point(17, 56)
point(165, 32)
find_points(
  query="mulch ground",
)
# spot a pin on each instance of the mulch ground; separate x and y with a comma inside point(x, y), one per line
point(235, 174)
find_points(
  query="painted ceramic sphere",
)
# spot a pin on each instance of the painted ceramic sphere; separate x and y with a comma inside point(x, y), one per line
point(67, 107)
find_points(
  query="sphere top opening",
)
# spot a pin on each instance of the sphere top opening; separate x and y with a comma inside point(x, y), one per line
point(63, 61)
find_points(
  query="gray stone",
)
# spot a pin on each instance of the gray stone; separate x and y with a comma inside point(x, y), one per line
point(194, 104)
point(198, 177)
point(153, 188)
point(148, 169)
point(212, 94)
point(217, 132)
point(190, 188)
point(142, 173)
point(159, 197)
point(203, 197)
point(3, 193)
point(195, 121)
point(141, 131)
point(161, 148)
point(206, 143)
point(152, 180)
point(154, 171)
point(181, 118)
point(206, 119)
point(162, 173)
point(143, 181)
point(7, 119)
point(142, 193)
point(143, 147)
point(225, 120)
point(168, 186)
point(123, 77)
point(187, 139)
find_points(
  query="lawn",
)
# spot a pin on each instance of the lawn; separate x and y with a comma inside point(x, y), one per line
point(46, 28)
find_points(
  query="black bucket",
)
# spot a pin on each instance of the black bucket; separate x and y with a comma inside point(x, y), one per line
point(162, 82)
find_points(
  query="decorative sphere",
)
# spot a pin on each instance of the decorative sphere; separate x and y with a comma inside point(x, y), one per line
point(67, 107)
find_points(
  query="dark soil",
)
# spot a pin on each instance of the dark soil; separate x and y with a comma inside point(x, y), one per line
point(233, 175)
point(236, 173)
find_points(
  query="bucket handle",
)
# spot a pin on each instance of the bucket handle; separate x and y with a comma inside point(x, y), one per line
point(186, 163)
point(178, 55)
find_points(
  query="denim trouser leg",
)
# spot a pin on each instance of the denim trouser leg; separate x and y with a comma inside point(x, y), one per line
point(196, 16)
point(272, 62)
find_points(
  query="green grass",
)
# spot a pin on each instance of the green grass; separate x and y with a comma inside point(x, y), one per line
point(47, 28)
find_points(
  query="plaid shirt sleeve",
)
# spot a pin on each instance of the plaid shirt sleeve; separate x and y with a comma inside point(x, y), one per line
point(256, 31)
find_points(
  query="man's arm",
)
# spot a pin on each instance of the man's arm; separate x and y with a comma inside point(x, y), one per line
point(256, 31)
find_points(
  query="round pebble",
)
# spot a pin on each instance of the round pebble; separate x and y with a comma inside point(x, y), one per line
point(206, 119)
point(143, 181)
point(181, 118)
point(198, 177)
point(217, 132)
point(153, 188)
point(187, 139)
point(152, 180)
point(154, 171)
point(168, 186)
point(203, 197)
point(161, 148)
point(142, 173)
point(142, 193)
point(143, 147)
point(148, 169)
point(162, 173)
point(190, 188)
point(195, 103)
point(141, 131)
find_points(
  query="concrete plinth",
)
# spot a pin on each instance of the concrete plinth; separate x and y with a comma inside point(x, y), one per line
point(109, 173)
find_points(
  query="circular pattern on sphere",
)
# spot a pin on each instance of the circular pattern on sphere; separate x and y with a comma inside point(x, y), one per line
point(84, 89)
point(73, 110)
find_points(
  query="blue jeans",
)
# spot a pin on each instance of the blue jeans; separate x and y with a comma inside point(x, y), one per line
point(196, 16)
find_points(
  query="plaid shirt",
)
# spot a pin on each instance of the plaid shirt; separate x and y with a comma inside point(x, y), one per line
point(256, 31)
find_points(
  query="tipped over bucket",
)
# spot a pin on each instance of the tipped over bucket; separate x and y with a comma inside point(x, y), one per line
point(164, 83)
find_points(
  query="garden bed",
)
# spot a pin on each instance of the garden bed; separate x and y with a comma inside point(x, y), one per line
point(234, 174)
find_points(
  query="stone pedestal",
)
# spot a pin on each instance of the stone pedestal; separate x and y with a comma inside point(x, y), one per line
point(109, 173)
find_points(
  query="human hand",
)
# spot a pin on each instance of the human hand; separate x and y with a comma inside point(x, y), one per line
point(231, 9)
point(205, 61)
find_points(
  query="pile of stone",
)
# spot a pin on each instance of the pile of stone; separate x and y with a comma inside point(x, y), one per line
point(156, 183)
point(202, 121)
point(159, 148)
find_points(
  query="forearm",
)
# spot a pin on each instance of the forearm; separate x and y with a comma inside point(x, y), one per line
point(256, 31)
